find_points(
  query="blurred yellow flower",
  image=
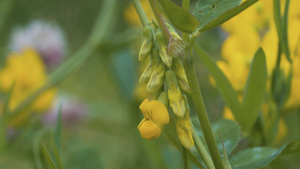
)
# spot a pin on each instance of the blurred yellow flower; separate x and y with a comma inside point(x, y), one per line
point(28, 72)
point(132, 17)
point(155, 117)
point(251, 29)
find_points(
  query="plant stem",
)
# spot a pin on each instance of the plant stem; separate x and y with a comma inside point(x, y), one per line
point(201, 150)
point(184, 157)
point(161, 22)
point(140, 11)
point(201, 110)
point(186, 6)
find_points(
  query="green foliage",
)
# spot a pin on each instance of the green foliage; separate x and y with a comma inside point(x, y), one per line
point(281, 26)
point(259, 157)
point(55, 163)
point(213, 13)
point(4, 112)
point(57, 130)
point(254, 94)
point(208, 10)
point(222, 83)
point(226, 131)
point(180, 18)
point(5, 8)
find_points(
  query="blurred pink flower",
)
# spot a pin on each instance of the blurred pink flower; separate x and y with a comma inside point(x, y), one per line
point(73, 111)
point(45, 37)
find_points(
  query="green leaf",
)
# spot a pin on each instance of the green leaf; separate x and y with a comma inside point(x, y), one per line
point(57, 130)
point(228, 130)
point(4, 117)
point(259, 157)
point(56, 154)
point(222, 15)
point(254, 93)
point(281, 26)
point(180, 18)
point(48, 157)
point(208, 10)
point(222, 83)
point(285, 42)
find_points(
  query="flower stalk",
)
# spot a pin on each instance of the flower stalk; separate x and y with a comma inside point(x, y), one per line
point(161, 22)
point(201, 111)
point(140, 11)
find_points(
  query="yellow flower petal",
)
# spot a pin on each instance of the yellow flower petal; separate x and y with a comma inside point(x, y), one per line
point(149, 130)
point(184, 131)
point(144, 107)
point(159, 113)
point(176, 100)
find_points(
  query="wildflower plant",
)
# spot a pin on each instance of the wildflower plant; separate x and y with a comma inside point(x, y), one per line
point(256, 77)
point(171, 71)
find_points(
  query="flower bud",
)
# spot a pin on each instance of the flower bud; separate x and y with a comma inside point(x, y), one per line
point(147, 43)
point(163, 97)
point(173, 32)
point(176, 47)
point(177, 67)
point(157, 75)
point(175, 97)
point(184, 128)
point(162, 45)
point(144, 78)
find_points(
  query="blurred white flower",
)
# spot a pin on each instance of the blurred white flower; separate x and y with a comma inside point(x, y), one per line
point(73, 111)
point(47, 38)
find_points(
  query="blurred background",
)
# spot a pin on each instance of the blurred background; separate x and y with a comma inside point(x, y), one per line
point(100, 100)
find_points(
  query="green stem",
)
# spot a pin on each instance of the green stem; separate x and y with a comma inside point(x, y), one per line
point(161, 22)
point(184, 157)
point(201, 150)
point(201, 111)
point(186, 6)
point(140, 11)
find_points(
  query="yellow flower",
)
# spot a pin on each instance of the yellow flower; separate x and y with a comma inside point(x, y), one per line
point(184, 128)
point(28, 72)
point(155, 117)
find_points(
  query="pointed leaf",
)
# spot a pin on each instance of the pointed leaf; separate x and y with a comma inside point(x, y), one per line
point(48, 157)
point(57, 131)
point(223, 84)
point(56, 154)
point(231, 12)
point(254, 93)
point(259, 157)
point(285, 41)
point(180, 18)
point(208, 10)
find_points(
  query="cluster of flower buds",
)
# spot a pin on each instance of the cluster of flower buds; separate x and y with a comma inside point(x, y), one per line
point(165, 76)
